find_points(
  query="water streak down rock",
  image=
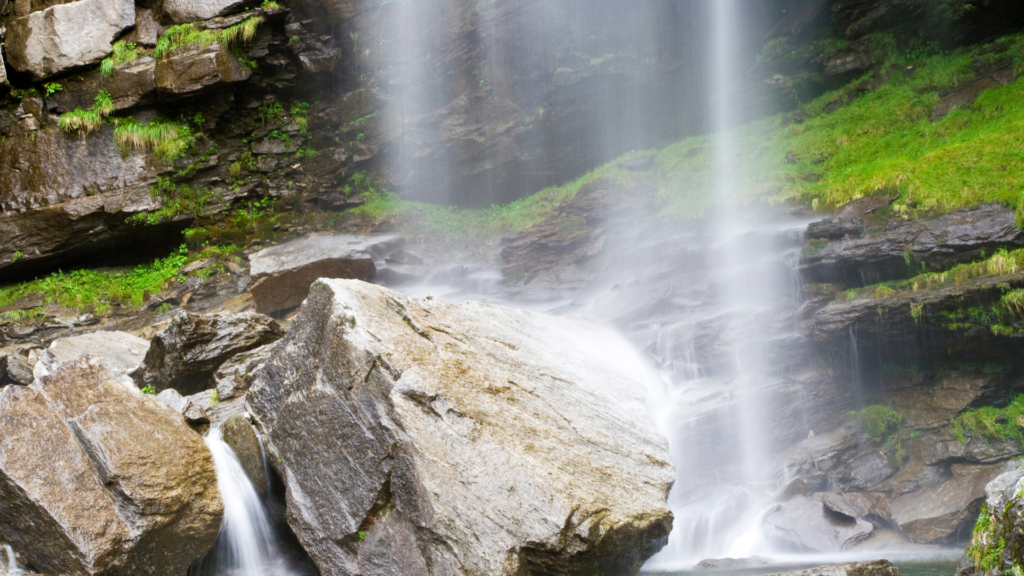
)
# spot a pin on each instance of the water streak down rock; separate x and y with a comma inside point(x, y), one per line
point(421, 437)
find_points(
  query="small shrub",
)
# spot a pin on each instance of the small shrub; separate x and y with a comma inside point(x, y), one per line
point(149, 390)
point(16, 256)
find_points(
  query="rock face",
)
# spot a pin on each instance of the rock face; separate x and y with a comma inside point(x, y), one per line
point(189, 70)
point(66, 36)
point(997, 541)
point(123, 353)
point(937, 513)
point(238, 433)
point(181, 11)
point(187, 353)
point(808, 524)
point(96, 478)
point(469, 438)
point(902, 248)
point(283, 274)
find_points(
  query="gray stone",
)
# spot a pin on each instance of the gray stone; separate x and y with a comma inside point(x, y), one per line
point(937, 513)
point(190, 70)
point(186, 354)
point(15, 369)
point(283, 274)
point(1003, 489)
point(67, 36)
point(98, 478)
point(495, 431)
point(236, 376)
point(147, 28)
point(182, 11)
point(122, 352)
point(4, 84)
point(238, 433)
point(872, 568)
point(193, 413)
point(808, 525)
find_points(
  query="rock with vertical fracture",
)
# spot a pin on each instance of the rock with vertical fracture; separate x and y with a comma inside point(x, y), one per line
point(469, 438)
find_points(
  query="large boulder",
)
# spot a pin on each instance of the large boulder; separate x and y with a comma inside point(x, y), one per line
point(809, 524)
point(468, 438)
point(97, 478)
point(238, 433)
point(66, 36)
point(186, 354)
point(122, 352)
point(283, 274)
point(944, 511)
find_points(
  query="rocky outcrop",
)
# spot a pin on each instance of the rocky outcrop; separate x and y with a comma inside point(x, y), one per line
point(905, 248)
point(194, 414)
point(236, 376)
point(122, 353)
point(942, 512)
point(131, 84)
point(283, 274)
point(997, 541)
point(96, 478)
point(186, 354)
point(66, 36)
point(238, 433)
point(192, 69)
point(182, 11)
point(14, 369)
point(808, 524)
point(467, 438)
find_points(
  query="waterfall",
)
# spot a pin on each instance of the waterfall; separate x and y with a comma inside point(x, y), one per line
point(12, 562)
point(246, 545)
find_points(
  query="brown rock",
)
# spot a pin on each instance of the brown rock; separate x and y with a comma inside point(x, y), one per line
point(95, 477)
point(190, 70)
point(238, 433)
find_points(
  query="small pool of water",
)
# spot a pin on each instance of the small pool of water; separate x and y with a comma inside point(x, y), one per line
point(934, 567)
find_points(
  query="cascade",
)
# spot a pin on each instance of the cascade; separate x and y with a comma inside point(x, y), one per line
point(12, 562)
point(247, 545)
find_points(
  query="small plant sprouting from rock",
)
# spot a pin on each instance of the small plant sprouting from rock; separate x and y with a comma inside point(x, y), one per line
point(88, 121)
point(52, 88)
point(168, 140)
point(123, 52)
point(362, 536)
point(886, 426)
point(16, 256)
point(991, 423)
point(190, 35)
point(916, 311)
point(1014, 301)
point(214, 400)
point(149, 390)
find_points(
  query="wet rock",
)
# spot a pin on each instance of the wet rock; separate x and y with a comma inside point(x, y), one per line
point(66, 36)
point(873, 507)
point(131, 84)
point(193, 413)
point(29, 301)
point(186, 354)
point(857, 58)
point(872, 568)
point(808, 525)
point(122, 352)
point(236, 376)
point(964, 95)
point(731, 563)
point(182, 11)
point(946, 511)
point(486, 427)
point(282, 274)
point(238, 433)
point(404, 258)
point(399, 275)
point(190, 70)
point(868, 470)
point(848, 221)
point(4, 84)
point(937, 243)
point(97, 478)
point(147, 28)
point(1003, 489)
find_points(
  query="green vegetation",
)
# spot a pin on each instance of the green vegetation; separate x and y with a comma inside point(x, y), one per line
point(168, 140)
point(123, 52)
point(986, 548)
point(149, 390)
point(82, 289)
point(886, 427)
point(991, 423)
point(87, 121)
point(214, 399)
point(52, 88)
point(190, 35)
point(177, 199)
point(16, 256)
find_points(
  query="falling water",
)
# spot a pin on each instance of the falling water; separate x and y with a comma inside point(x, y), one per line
point(12, 562)
point(246, 545)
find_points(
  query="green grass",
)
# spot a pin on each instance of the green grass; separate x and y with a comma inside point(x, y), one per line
point(192, 36)
point(87, 121)
point(991, 423)
point(123, 52)
point(80, 289)
point(886, 427)
point(168, 140)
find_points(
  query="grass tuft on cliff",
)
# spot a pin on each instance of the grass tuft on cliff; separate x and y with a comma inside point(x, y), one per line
point(168, 140)
point(991, 423)
point(192, 36)
point(123, 52)
point(87, 121)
